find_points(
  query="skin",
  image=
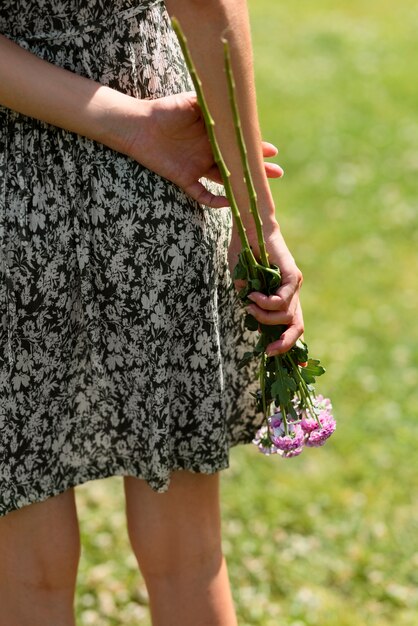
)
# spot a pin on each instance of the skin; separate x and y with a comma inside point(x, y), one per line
point(181, 560)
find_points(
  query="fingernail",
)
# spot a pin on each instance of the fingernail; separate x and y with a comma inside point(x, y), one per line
point(251, 297)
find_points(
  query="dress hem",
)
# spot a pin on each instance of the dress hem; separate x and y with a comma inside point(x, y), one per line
point(77, 481)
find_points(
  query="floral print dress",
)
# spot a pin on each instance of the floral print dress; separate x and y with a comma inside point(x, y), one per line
point(120, 330)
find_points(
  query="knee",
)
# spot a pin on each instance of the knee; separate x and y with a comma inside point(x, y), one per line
point(164, 555)
point(43, 574)
point(34, 563)
point(55, 573)
point(178, 532)
point(39, 589)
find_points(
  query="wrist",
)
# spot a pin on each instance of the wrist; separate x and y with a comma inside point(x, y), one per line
point(119, 119)
point(268, 221)
point(265, 202)
point(270, 229)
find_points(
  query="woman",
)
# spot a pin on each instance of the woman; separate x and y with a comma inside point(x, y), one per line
point(120, 330)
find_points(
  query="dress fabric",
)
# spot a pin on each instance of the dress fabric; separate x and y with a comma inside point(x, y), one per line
point(120, 331)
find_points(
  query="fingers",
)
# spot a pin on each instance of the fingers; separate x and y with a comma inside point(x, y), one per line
point(269, 150)
point(291, 284)
point(269, 303)
point(283, 308)
point(290, 335)
point(292, 318)
point(273, 170)
point(282, 300)
point(273, 310)
point(198, 192)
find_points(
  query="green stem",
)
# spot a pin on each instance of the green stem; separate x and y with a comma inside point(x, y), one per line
point(306, 395)
point(210, 127)
point(244, 155)
point(263, 384)
point(279, 374)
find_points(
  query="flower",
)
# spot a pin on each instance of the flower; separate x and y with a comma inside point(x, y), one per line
point(324, 431)
point(285, 439)
point(320, 427)
point(291, 453)
point(323, 403)
point(263, 442)
point(305, 427)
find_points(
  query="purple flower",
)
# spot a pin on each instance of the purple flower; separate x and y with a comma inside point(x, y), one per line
point(323, 403)
point(309, 423)
point(291, 453)
point(318, 437)
point(285, 442)
point(287, 437)
point(318, 429)
point(263, 442)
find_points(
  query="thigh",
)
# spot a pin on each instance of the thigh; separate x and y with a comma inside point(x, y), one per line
point(40, 546)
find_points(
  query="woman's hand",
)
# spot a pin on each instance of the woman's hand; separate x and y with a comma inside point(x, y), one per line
point(283, 307)
point(174, 143)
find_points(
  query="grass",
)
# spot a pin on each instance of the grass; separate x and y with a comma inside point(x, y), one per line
point(329, 538)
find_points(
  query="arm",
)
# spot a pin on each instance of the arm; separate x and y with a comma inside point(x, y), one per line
point(166, 135)
point(204, 23)
point(51, 94)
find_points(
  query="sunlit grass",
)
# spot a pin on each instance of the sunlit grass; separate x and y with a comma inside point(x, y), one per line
point(329, 538)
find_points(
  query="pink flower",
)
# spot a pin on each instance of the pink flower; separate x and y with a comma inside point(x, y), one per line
point(263, 442)
point(318, 436)
point(323, 403)
point(287, 438)
point(309, 423)
point(291, 453)
point(285, 442)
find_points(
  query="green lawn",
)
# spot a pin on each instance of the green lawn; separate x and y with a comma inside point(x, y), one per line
point(329, 538)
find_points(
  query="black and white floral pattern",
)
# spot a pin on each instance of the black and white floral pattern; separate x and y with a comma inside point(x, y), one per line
point(120, 331)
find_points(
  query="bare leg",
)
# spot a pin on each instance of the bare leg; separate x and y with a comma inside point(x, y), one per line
point(176, 538)
point(39, 554)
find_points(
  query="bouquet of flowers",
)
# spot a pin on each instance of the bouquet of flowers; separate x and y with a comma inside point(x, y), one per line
point(293, 416)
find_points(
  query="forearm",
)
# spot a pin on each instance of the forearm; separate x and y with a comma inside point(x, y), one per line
point(204, 23)
point(56, 96)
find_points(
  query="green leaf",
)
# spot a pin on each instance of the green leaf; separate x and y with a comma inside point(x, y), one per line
point(261, 344)
point(250, 322)
point(291, 383)
point(270, 277)
point(248, 356)
point(312, 370)
point(292, 412)
point(280, 391)
point(299, 352)
point(240, 271)
point(254, 284)
point(243, 293)
point(272, 332)
point(314, 367)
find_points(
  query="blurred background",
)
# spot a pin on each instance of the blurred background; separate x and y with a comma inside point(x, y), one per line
point(329, 538)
